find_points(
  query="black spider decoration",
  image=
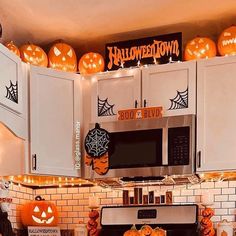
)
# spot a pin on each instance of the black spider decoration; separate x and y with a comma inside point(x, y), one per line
point(97, 141)
point(104, 108)
point(180, 101)
point(12, 92)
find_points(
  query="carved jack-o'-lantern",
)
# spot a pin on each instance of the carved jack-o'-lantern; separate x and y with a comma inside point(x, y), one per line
point(91, 63)
point(207, 212)
point(132, 232)
point(34, 55)
point(206, 223)
point(227, 41)
point(146, 230)
point(198, 48)
point(158, 232)
point(12, 47)
point(39, 213)
point(62, 57)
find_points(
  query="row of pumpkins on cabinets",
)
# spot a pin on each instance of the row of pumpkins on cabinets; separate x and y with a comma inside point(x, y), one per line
point(61, 56)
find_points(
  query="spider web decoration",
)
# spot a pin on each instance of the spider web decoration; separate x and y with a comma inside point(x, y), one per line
point(180, 101)
point(104, 108)
point(12, 92)
point(96, 141)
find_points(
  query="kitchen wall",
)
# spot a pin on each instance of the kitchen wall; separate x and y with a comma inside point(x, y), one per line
point(72, 203)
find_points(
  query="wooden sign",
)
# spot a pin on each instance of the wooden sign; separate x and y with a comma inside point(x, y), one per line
point(153, 50)
point(140, 113)
point(43, 231)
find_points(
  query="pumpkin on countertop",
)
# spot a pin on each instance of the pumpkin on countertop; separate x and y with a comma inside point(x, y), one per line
point(62, 57)
point(158, 232)
point(39, 213)
point(146, 230)
point(227, 41)
point(132, 232)
point(12, 47)
point(34, 55)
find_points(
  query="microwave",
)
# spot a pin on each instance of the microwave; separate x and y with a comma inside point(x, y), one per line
point(149, 148)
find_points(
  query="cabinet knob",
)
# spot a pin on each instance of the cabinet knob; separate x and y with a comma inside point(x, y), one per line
point(136, 104)
point(34, 162)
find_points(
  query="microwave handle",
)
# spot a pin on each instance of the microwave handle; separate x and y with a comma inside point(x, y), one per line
point(199, 159)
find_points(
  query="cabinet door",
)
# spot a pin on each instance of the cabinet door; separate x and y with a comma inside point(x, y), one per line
point(172, 86)
point(216, 114)
point(114, 91)
point(11, 81)
point(54, 112)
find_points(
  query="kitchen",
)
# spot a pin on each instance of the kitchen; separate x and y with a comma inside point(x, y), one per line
point(72, 202)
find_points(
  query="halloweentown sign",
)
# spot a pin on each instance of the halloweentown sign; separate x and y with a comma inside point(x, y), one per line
point(152, 50)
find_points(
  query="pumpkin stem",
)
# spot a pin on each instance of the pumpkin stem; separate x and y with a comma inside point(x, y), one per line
point(133, 227)
point(39, 198)
point(97, 126)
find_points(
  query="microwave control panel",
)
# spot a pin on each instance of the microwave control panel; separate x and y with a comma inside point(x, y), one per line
point(178, 146)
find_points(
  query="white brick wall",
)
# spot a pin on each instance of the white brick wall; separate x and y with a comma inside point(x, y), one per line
point(72, 203)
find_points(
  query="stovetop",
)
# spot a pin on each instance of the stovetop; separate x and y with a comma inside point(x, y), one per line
point(175, 219)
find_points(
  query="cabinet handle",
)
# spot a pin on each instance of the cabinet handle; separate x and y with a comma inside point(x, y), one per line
point(199, 159)
point(136, 104)
point(34, 162)
point(144, 103)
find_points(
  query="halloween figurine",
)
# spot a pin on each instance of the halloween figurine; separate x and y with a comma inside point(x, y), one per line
point(5, 224)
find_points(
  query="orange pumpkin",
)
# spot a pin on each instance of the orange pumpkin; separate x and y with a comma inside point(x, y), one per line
point(198, 48)
point(93, 214)
point(158, 232)
point(88, 160)
point(208, 232)
point(132, 232)
point(12, 47)
point(227, 41)
point(34, 55)
point(39, 213)
point(101, 164)
point(207, 212)
point(146, 230)
point(91, 63)
point(206, 223)
point(62, 57)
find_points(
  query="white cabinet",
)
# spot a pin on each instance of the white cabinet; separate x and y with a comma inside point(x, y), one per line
point(172, 86)
point(13, 92)
point(114, 91)
point(55, 108)
point(216, 114)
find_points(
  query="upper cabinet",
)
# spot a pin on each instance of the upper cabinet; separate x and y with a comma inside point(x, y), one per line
point(13, 92)
point(216, 114)
point(171, 86)
point(114, 91)
point(55, 119)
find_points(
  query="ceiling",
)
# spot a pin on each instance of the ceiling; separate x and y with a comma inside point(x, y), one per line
point(89, 24)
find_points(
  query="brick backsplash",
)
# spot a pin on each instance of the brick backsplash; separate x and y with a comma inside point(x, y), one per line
point(72, 203)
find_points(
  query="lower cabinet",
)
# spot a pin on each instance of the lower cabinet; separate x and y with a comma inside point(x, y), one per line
point(216, 114)
point(55, 116)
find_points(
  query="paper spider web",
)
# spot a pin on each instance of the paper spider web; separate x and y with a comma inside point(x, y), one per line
point(12, 92)
point(104, 108)
point(180, 101)
point(96, 142)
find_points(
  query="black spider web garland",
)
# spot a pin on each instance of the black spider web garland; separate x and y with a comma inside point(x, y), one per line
point(104, 108)
point(97, 141)
point(180, 101)
point(12, 92)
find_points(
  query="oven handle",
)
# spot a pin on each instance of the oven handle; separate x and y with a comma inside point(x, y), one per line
point(199, 159)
